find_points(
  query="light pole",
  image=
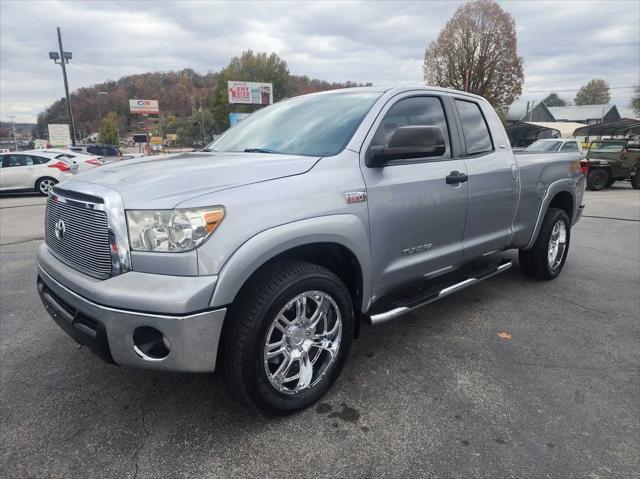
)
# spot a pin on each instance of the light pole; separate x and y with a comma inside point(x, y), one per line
point(63, 58)
point(15, 138)
point(100, 93)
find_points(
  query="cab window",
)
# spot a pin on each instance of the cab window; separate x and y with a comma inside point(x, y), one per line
point(422, 110)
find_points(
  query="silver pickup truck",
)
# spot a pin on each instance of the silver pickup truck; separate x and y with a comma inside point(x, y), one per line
point(263, 253)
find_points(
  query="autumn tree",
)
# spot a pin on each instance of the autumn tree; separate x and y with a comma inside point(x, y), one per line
point(251, 67)
point(109, 129)
point(554, 100)
point(596, 92)
point(477, 51)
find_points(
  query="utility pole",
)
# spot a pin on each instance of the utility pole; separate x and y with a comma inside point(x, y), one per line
point(15, 138)
point(204, 141)
point(64, 58)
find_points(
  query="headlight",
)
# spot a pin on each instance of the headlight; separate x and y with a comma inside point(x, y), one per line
point(171, 231)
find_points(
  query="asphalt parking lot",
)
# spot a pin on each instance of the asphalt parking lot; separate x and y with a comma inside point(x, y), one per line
point(510, 378)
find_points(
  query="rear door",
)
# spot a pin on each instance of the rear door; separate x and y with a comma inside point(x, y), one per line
point(416, 218)
point(493, 180)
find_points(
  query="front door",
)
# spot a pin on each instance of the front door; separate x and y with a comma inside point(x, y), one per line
point(416, 218)
point(16, 171)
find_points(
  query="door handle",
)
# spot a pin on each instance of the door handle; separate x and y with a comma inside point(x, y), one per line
point(456, 177)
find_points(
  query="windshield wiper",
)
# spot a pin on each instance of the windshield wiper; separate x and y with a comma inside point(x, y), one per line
point(259, 150)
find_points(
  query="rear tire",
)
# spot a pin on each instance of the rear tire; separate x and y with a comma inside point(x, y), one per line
point(597, 179)
point(274, 314)
point(546, 258)
point(610, 182)
point(44, 185)
point(635, 180)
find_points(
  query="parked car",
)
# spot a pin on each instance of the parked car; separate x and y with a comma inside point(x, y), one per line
point(548, 145)
point(263, 253)
point(611, 161)
point(79, 161)
point(32, 170)
point(108, 153)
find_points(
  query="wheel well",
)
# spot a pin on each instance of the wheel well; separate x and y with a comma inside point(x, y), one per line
point(563, 201)
point(333, 256)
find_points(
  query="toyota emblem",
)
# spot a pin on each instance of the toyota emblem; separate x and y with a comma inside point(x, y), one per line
point(60, 229)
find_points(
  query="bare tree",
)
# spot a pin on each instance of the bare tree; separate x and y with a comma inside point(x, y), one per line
point(596, 92)
point(477, 52)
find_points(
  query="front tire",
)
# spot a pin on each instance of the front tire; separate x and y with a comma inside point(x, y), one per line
point(597, 179)
point(289, 334)
point(546, 258)
point(45, 185)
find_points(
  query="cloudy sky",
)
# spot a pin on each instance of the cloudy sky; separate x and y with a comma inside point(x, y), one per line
point(564, 43)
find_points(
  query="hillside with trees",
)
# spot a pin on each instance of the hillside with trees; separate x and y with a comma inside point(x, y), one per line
point(190, 102)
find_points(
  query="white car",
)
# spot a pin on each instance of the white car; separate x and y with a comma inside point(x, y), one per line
point(554, 144)
point(35, 170)
point(84, 161)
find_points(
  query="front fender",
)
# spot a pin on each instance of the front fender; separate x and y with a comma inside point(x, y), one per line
point(344, 229)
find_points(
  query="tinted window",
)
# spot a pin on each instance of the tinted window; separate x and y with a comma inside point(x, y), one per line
point(94, 150)
point(426, 111)
point(16, 160)
point(476, 131)
point(315, 125)
point(570, 146)
point(38, 160)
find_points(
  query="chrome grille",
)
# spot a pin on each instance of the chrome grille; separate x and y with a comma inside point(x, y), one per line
point(85, 242)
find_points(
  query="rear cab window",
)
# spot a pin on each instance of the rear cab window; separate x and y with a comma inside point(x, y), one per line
point(477, 137)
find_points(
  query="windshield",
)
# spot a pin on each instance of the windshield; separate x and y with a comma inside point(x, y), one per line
point(610, 146)
point(542, 145)
point(317, 125)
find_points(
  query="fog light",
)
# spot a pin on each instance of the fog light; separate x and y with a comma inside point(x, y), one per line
point(150, 344)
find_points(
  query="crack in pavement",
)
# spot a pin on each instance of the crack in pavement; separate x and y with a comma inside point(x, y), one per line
point(37, 238)
point(588, 308)
point(136, 453)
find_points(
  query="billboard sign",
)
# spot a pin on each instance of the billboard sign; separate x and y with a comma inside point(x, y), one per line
point(237, 117)
point(140, 138)
point(144, 107)
point(250, 93)
point(59, 135)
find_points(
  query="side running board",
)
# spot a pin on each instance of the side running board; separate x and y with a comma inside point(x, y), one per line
point(409, 304)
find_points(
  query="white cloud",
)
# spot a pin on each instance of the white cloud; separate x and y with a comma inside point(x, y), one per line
point(564, 44)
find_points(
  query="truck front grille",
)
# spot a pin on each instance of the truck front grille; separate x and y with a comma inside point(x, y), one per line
point(78, 236)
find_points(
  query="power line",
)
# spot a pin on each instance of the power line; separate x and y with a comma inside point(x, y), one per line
point(577, 89)
point(89, 67)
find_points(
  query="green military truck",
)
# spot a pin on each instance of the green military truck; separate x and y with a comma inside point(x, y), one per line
point(610, 161)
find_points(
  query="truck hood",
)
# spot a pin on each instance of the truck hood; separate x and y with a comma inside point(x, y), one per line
point(164, 181)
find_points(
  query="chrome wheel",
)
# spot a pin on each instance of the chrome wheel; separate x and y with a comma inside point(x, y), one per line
point(302, 342)
point(45, 185)
point(557, 244)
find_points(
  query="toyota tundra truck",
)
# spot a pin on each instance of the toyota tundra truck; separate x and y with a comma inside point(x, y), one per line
point(263, 254)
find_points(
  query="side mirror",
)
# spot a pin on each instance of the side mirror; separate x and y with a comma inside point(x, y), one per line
point(408, 142)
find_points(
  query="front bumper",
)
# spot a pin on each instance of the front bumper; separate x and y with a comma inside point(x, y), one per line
point(192, 339)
